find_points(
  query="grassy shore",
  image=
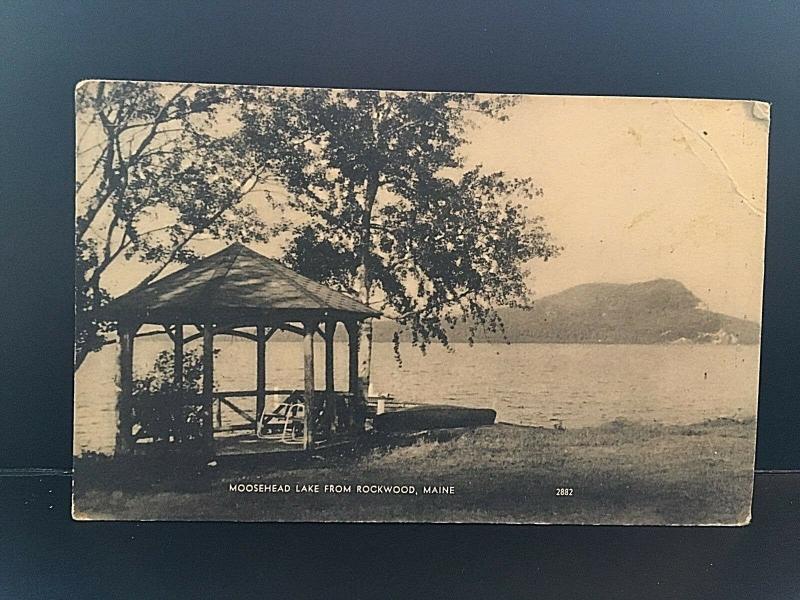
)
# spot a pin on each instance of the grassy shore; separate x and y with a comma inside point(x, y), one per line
point(621, 472)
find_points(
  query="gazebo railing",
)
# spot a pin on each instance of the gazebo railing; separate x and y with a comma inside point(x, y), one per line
point(223, 400)
point(170, 417)
point(339, 406)
point(173, 418)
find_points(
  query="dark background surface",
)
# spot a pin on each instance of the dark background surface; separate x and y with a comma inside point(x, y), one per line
point(45, 554)
point(720, 50)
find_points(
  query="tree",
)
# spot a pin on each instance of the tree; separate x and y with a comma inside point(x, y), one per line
point(154, 172)
point(391, 213)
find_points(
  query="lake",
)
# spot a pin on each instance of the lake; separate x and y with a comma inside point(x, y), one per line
point(574, 385)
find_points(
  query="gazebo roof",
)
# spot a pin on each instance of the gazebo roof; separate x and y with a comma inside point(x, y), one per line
point(236, 285)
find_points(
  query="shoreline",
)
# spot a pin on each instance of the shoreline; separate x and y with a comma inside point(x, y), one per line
point(554, 424)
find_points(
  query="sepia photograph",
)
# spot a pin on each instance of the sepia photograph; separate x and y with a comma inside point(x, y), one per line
point(315, 304)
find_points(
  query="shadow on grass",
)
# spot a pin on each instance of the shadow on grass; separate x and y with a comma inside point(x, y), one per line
point(621, 472)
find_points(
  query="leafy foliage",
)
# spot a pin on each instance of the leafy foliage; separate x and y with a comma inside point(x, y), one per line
point(153, 174)
point(159, 406)
point(161, 378)
point(387, 207)
point(394, 215)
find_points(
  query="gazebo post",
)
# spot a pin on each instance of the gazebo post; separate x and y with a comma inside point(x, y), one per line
point(309, 328)
point(178, 400)
point(261, 372)
point(353, 382)
point(208, 383)
point(178, 357)
point(330, 396)
point(124, 407)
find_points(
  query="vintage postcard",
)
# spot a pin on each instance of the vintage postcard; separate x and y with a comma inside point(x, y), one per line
point(358, 305)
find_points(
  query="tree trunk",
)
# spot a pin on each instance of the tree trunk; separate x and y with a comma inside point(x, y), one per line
point(81, 353)
point(363, 283)
point(365, 364)
point(124, 416)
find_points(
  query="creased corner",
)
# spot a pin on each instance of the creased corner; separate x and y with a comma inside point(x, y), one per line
point(748, 202)
point(760, 110)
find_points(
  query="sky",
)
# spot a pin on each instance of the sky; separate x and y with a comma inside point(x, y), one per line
point(634, 189)
point(642, 188)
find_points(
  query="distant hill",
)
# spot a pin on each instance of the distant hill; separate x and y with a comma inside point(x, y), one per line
point(653, 312)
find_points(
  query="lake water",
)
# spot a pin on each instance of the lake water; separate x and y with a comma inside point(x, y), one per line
point(528, 384)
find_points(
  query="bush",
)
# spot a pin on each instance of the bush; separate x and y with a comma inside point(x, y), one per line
point(165, 411)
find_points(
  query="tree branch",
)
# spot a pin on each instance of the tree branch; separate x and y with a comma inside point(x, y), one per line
point(198, 229)
point(455, 300)
point(80, 184)
point(109, 186)
point(158, 120)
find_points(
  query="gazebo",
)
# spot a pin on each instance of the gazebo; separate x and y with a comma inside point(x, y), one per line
point(242, 293)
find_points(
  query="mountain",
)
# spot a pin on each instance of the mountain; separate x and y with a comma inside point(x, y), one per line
point(653, 312)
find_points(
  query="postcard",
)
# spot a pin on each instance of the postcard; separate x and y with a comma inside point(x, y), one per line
point(308, 304)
